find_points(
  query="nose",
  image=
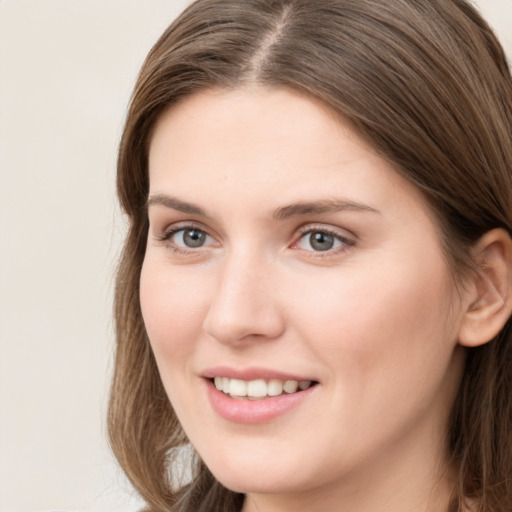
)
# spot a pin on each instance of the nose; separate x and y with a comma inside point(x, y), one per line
point(244, 305)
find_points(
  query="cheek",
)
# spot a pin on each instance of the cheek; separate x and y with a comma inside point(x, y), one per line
point(173, 307)
point(386, 339)
point(383, 321)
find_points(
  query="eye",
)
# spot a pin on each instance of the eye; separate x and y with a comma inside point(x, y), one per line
point(188, 238)
point(321, 240)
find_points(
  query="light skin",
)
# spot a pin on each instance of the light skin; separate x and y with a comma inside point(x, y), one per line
point(311, 256)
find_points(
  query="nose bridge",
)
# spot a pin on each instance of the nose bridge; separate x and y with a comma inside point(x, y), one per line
point(243, 304)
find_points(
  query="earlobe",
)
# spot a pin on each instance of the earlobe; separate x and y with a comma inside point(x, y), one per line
point(489, 291)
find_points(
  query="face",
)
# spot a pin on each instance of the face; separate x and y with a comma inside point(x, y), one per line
point(282, 251)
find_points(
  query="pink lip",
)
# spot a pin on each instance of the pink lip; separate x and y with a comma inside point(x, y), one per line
point(252, 412)
point(251, 374)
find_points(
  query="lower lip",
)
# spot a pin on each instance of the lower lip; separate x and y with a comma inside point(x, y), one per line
point(251, 412)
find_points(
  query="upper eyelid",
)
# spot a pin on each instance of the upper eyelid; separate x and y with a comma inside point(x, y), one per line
point(297, 233)
point(183, 225)
point(166, 236)
point(332, 230)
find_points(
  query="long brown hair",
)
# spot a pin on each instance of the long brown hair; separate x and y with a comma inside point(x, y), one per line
point(428, 86)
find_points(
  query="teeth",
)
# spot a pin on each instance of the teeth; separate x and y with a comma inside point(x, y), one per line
point(275, 387)
point(237, 387)
point(290, 386)
point(259, 388)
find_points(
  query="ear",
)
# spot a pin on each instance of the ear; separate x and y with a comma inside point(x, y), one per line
point(489, 290)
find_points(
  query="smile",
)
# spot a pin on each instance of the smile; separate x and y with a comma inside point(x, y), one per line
point(258, 400)
point(259, 388)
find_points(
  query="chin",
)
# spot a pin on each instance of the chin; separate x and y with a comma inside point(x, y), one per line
point(265, 477)
point(264, 482)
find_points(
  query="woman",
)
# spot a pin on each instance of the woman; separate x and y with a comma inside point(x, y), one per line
point(315, 291)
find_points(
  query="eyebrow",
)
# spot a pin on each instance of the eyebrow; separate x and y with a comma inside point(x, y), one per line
point(175, 204)
point(319, 207)
point(284, 212)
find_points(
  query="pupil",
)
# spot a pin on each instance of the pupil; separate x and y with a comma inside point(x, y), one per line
point(321, 241)
point(193, 238)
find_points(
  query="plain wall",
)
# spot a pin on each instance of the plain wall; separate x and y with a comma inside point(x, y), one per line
point(66, 72)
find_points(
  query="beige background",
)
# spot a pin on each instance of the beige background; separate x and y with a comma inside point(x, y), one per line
point(66, 71)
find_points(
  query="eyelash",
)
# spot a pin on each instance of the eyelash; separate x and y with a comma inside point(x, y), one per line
point(347, 243)
point(167, 236)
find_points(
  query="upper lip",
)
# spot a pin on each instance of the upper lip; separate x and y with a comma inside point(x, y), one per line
point(252, 373)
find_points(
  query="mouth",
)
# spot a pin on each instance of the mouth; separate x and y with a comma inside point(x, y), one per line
point(260, 389)
point(256, 395)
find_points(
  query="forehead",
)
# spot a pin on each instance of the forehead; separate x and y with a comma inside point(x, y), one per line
point(270, 145)
point(257, 115)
